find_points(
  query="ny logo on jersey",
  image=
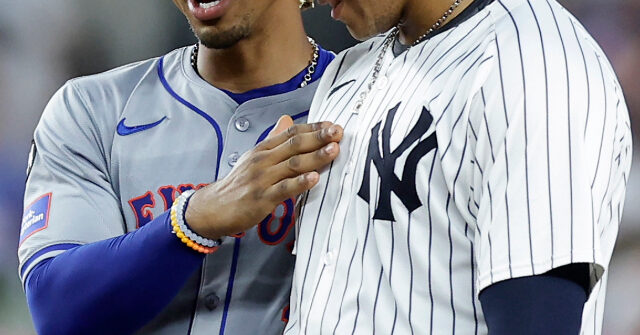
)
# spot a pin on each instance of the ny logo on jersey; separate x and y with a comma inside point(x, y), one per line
point(385, 163)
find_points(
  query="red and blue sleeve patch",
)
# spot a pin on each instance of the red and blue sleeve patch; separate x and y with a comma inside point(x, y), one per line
point(35, 217)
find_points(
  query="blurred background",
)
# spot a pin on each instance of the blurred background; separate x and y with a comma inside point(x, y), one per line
point(43, 44)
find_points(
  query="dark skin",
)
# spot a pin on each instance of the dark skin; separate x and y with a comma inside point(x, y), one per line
point(367, 18)
point(279, 168)
point(253, 44)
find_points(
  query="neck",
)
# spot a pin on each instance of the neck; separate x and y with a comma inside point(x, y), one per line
point(419, 15)
point(276, 51)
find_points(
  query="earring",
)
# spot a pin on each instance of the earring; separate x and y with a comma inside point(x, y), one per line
point(304, 4)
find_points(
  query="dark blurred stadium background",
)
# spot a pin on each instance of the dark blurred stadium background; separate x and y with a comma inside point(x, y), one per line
point(44, 43)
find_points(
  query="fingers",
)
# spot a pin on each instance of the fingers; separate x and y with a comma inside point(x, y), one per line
point(305, 143)
point(305, 163)
point(292, 187)
point(283, 123)
point(275, 139)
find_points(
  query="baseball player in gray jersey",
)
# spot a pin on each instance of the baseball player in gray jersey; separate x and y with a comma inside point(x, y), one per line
point(115, 152)
point(481, 178)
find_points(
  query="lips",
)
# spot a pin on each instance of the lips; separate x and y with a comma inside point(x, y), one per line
point(206, 10)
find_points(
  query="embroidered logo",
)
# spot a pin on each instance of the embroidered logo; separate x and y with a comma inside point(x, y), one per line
point(335, 89)
point(124, 130)
point(385, 163)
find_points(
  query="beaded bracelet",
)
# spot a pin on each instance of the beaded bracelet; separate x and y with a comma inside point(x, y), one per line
point(182, 231)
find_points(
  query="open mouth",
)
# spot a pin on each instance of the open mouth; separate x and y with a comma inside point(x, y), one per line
point(206, 10)
point(206, 4)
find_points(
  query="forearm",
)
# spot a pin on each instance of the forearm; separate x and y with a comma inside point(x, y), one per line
point(113, 286)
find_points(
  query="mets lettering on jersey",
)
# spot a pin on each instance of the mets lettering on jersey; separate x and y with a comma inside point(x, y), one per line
point(497, 148)
point(117, 148)
point(272, 230)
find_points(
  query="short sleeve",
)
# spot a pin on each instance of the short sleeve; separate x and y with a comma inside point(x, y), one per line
point(554, 152)
point(69, 200)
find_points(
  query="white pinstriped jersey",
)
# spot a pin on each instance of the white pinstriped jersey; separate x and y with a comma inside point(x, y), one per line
point(499, 148)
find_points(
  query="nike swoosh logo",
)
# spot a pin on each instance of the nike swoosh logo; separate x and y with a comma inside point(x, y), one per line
point(340, 86)
point(124, 130)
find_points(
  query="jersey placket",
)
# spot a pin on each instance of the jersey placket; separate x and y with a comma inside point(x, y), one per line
point(325, 272)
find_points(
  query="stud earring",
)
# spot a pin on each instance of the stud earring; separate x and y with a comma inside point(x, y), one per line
point(304, 4)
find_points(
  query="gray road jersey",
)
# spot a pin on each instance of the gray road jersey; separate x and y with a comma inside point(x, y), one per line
point(115, 149)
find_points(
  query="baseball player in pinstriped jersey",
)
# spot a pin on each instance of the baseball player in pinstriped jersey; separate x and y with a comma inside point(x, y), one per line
point(481, 178)
point(114, 150)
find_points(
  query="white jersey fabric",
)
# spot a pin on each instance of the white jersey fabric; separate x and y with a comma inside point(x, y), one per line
point(497, 149)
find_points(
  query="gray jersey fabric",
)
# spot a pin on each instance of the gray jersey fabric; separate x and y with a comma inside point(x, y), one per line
point(114, 150)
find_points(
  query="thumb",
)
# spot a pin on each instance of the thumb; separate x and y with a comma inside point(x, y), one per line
point(284, 122)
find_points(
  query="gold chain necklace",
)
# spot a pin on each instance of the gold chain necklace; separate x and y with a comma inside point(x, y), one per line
point(307, 76)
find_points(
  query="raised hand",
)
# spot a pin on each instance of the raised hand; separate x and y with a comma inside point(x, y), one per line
point(280, 167)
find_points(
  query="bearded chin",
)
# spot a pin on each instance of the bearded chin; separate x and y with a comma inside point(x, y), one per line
point(222, 39)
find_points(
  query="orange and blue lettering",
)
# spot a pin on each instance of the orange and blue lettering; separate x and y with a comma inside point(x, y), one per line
point(285, 314)
point(141, 208)
point(283, 216)
point(168, 194)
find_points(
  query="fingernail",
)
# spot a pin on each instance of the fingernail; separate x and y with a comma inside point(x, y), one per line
point(329, 148)
point(332, 130)
point(311, 176)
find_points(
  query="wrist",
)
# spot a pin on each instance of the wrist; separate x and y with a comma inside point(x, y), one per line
point(184, 233)
point(198, 219)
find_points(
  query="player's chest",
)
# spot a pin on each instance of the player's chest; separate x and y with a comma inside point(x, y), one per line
point(406, 127)
point(159, 152)
point(384, 121)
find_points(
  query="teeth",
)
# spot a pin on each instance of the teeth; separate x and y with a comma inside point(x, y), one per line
point(210, 4)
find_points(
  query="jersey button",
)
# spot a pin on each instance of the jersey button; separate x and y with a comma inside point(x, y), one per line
point(211, 301)
point(328, 258)
point(242, 124)
point(351, 165)
point(233, 158)
point(382, 82)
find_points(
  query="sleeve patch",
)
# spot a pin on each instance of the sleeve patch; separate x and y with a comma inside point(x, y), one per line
point(35, 217)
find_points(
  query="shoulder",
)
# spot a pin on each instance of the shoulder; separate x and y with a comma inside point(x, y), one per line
point(542, 27)
point(114, 85)
point(111, 90)
point(534, 40)
point(96, 101)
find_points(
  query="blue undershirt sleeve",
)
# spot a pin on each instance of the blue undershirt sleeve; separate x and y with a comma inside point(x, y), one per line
point(113, 286)
point(551, 303)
